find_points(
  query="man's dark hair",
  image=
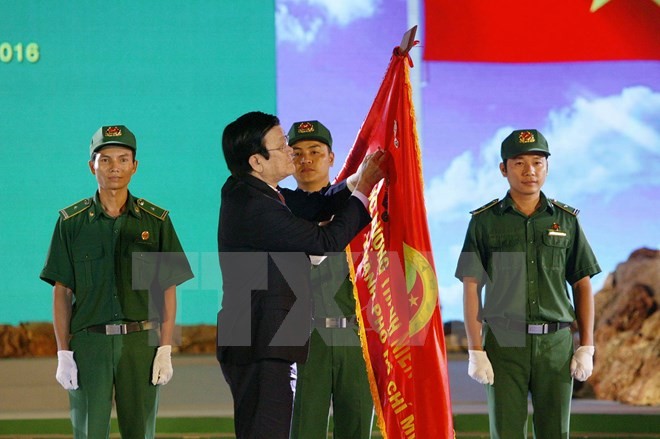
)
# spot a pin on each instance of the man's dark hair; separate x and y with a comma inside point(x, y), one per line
point(243, 138)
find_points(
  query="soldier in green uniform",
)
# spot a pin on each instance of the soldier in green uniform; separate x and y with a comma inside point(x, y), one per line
point(114, 263)
point(524, 249)
point(335, 370)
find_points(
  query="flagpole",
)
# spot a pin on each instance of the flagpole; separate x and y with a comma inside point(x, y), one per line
point(415, 19)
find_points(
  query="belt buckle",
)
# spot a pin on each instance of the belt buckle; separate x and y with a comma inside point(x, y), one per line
point(537, 329)
point(115, 329)
point(335, 322)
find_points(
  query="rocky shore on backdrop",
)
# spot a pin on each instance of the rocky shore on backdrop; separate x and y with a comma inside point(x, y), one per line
point(38, 340)
point(627, 334)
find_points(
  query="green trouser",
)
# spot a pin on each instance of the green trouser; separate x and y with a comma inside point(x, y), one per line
point(122, 362)
point(334, 373)
point(540, 367)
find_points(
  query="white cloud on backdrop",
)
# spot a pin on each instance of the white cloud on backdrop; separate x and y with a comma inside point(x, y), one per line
point(451, 290)
point(451, 301)
point(290, 29)
point(299, 22)
point(600, 147)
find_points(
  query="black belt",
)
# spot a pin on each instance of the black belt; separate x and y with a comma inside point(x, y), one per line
point(334, 322)
point(124, 328)
point(529, 328)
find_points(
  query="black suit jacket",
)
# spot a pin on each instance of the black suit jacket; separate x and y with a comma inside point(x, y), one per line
point(263, 247)
point(312, 207)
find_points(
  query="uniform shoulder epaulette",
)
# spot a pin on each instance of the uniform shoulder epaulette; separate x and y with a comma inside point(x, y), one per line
point(485, 206)
point(572, 210)
point(152, 209)
point(75, 208)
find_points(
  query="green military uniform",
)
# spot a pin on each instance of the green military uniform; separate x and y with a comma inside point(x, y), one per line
point(117, 269)
point(524, 263)
point(335, 370)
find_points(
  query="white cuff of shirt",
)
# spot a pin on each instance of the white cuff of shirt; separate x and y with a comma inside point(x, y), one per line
point(360, 196)
point(316, 260)
point(351, 182)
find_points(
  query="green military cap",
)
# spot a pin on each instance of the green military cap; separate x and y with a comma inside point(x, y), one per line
point(522, 142)
point(310, 130)
point(112, 135)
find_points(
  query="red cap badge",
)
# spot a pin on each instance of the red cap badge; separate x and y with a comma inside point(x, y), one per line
point(112, 132)
point(526, 137)
point(305, 127)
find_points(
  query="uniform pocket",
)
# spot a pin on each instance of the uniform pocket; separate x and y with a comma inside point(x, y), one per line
point(507, 252)
point(86, 260)
point(507, 242)
point(143, 268)
point(553, 252)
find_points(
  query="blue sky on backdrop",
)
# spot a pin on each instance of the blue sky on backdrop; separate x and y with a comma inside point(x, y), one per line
point(602, 120)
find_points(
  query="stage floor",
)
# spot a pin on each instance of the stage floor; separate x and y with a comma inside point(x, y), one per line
point(28, 390)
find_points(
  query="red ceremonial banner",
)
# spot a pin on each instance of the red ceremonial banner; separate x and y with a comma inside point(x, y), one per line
point(541, 31)
point(394, 273)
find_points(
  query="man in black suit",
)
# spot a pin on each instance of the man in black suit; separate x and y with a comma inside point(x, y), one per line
point(265, 320)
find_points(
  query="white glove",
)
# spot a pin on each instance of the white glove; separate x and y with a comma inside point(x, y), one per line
point(67, 371)
point(162, 371)
point(479, 367)
point(582, 363)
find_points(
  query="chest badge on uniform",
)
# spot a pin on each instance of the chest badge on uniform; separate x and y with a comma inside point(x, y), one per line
point(145, 235)
point(555, 230)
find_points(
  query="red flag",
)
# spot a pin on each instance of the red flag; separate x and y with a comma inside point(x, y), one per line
point(395, 282)
point(541, 31)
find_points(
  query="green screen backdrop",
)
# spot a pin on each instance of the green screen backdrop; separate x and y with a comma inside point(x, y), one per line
point(174, 72)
